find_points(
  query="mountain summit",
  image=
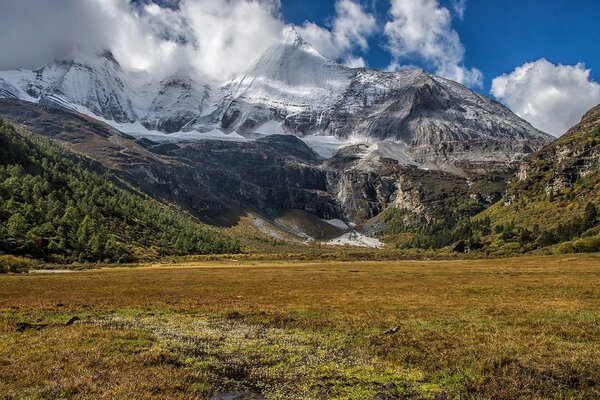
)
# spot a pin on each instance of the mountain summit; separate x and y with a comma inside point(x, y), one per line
point(294, 89)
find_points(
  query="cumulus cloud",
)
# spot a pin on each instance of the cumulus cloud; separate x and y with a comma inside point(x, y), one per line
point(422, 30)
point(550, 97)
point(228, 35)
point(147, 37)
point(216, 38)
point(35, 32)
point(355, 62)
point(351, 29)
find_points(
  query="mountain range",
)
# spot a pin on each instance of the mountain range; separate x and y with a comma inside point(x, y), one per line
point(295, 138)
point(290, 89)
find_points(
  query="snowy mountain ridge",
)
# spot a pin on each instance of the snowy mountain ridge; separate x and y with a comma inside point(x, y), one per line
point(290, 89)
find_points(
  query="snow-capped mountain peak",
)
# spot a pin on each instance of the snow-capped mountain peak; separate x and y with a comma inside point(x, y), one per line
point(96, 84)
point(291, 37)
point(292, 89)
point(295, 63)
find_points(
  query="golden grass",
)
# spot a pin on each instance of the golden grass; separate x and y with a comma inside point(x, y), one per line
point(87, 362)
point(512, 328)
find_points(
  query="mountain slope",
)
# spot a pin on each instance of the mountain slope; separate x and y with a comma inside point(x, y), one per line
point(290, 79)
point(556, 195)
point(216, 181)
point(54, 205)
point(552, 203)
point(97, 85)
point(177, 105)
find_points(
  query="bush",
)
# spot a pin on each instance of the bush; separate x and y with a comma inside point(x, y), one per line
point(15, 264)
point(585, 245)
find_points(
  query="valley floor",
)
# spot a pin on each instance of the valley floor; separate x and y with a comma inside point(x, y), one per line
point(512, 328)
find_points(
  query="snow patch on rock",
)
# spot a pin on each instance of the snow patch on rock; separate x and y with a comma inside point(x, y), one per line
point(271, 128)
point(356, 239)
point(325, 146)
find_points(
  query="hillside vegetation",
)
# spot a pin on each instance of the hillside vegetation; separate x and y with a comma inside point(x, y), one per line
point(553, 203)
point(555, 198)
point(54, 206)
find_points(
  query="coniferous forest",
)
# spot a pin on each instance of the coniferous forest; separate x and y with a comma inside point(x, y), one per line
point(52, 206)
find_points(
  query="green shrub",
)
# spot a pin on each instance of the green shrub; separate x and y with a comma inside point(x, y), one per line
point(54, 206)
point(585, 245)
point(15, 264)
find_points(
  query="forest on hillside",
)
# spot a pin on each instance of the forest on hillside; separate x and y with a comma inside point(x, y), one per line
point(52, 206)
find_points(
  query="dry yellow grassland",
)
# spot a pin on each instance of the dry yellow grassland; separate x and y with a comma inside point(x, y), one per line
point(513, 328)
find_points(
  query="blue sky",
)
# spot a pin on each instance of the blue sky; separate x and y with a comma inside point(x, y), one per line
point(498, 35)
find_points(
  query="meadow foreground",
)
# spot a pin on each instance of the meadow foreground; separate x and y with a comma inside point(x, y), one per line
point(512, 328)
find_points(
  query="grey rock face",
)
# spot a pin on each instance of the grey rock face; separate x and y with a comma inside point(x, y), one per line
point(219, 180)
point(365, 190)
point(570, 158)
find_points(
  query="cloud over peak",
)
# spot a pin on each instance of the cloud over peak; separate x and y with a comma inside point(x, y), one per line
point(219, 39)
point(351, 28)
point(422, 30)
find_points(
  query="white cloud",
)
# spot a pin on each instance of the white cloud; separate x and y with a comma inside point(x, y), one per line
point(145, 37)
point(422, 30)
point(351, 28)
point(218, 39)
point(229, 35)
point(459, 6)
point(35, 32)
point(550, 97)
point(355, 62)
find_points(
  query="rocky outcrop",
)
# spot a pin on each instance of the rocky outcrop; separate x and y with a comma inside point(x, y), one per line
point(365, 189)
point(570, 158)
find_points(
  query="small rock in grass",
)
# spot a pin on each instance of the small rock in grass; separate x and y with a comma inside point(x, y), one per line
point(72, 320)
point(392, 330)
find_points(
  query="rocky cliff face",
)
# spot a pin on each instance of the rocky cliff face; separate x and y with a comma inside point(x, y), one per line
point(275, 173)
point(566, 161)
point(366, 188)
